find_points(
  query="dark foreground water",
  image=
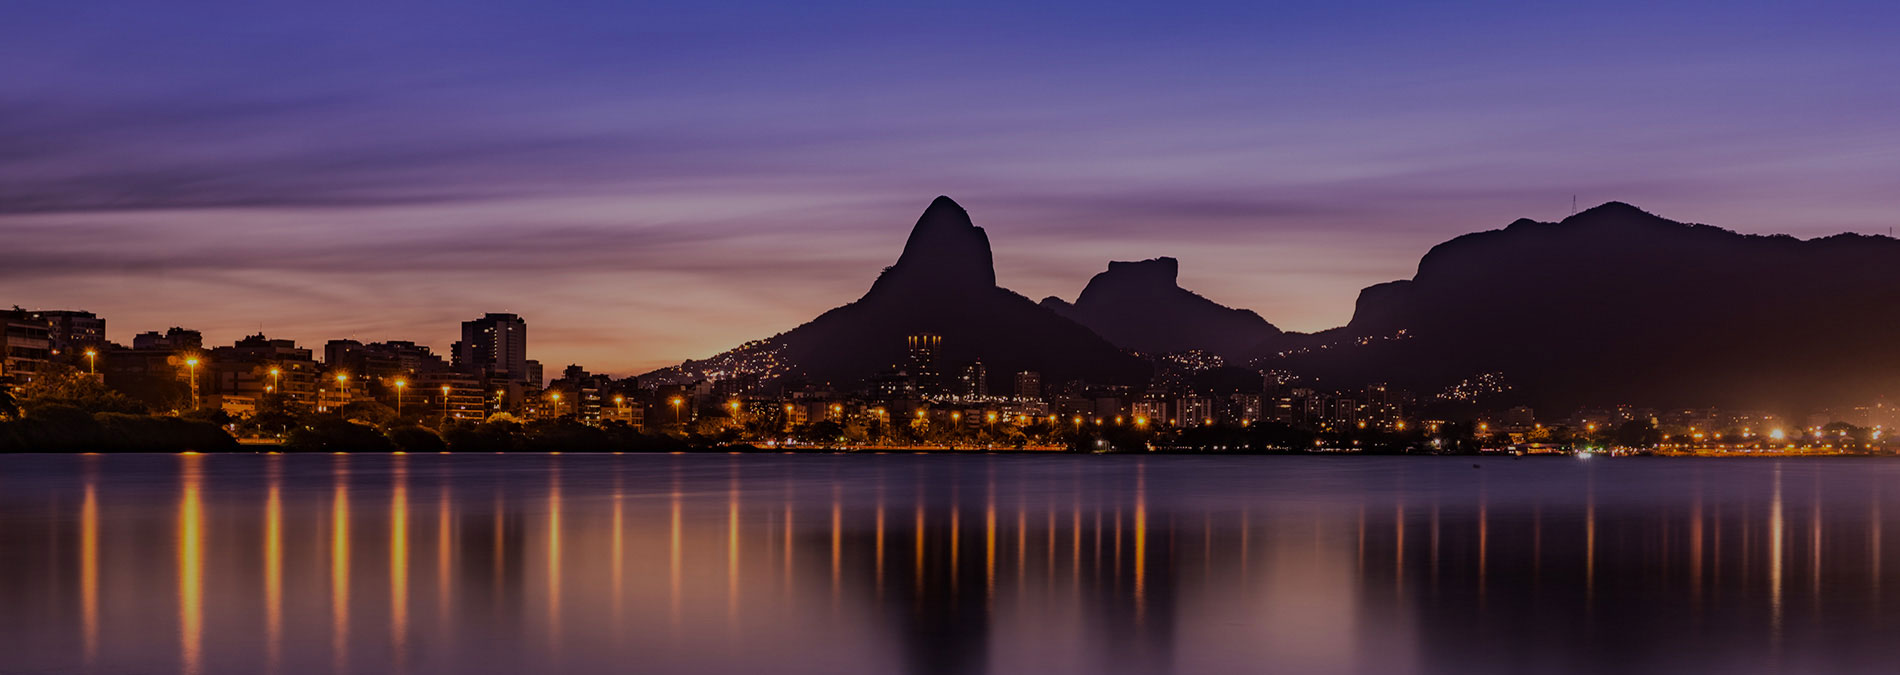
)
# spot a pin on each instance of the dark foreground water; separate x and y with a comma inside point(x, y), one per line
point(944, 564)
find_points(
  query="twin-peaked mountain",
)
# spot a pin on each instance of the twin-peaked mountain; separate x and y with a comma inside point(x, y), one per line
point(1141, 306)
point(1616, 305)
point(945, 284)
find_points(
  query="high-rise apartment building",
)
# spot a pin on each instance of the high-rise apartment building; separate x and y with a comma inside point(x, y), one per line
point(496, 346)
point(923, 349)
point(1029, 385)
point(974, 381)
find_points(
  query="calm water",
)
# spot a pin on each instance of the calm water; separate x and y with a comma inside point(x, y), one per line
point(943, 564)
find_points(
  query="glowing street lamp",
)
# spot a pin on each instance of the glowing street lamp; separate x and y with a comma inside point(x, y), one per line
point(192, 365)
point(276, 383)
point(676, 409)
point(400, 386)
point(342, 389)
point(445, 403)
point(92, 364)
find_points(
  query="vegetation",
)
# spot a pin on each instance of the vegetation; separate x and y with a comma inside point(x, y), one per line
point(65, 428)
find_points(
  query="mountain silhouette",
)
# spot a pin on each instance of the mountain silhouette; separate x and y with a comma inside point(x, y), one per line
point(1617, 305)
point(1141, 306)
point(944, 283)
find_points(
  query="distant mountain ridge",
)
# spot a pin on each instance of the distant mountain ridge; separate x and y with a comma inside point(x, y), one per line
point(1618, 305)
point(1611, 305)
point(943, 283)
point(1141, 306)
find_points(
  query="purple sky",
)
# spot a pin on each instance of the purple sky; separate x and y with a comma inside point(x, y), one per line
point(648, 183)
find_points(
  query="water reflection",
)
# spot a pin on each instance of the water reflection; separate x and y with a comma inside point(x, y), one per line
point(340, 565)
point(938, 564)
point(273, 564)
point(399, 561)
point(191, 561)
point(89, 568)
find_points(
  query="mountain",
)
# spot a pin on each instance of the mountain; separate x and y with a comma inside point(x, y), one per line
point(1617, 305)
point(943, 283)
point(1141, 306)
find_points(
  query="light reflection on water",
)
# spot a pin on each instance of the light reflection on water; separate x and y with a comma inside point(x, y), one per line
point(940, 564)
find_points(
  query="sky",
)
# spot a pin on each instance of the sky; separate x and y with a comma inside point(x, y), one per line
point(651, 182)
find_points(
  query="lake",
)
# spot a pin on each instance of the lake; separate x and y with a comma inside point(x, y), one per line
point(943, 564)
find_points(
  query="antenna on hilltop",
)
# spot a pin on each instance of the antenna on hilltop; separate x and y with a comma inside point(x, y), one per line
point(1573, 205)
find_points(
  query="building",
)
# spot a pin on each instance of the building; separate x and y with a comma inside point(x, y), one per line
point(449, 395)
point(625, 407)
point(496, 345)
point(974, 381)
point(582, 394)
point(158, 370)
point(26, 345)
point(381, 360)
point(174, 339)
point(73, 334)
point(257, 367)
point(1193, 411)
point(922, 350)
point(1029, 385)
point(1244, 408)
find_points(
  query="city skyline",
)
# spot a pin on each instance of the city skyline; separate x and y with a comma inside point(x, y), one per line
point(349, 178)
point(396, 328)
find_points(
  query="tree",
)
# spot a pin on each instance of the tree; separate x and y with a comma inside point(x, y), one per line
point(416, 439)
point(62, 385)
point(1637, 434)
point(8, 408)
point(337, 435)
point(371, 412)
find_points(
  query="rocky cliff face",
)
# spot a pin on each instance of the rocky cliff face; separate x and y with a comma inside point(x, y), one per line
point(1617, 305)
point(1141, 306)
point(945, 252)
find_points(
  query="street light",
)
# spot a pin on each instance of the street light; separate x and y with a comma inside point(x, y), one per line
point(92, 364)
point(342, 390)
point(445, 404)
point(275, 384)
point(676, 409)
point(192, 364)
point(400, 385)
